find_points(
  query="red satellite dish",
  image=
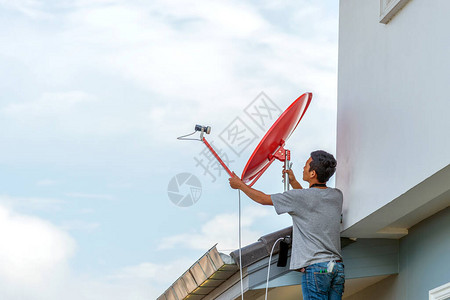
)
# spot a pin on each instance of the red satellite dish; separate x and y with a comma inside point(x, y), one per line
point(271, 145)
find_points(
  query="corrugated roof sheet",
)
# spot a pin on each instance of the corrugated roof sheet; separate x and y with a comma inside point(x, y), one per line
point(207, 273)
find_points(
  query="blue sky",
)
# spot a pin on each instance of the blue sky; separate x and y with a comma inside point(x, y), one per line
point(94, 94)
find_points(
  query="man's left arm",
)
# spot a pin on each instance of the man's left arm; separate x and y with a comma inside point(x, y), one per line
point(253, 194)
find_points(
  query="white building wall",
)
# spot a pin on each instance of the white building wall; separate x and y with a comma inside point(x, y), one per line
point(393, 101)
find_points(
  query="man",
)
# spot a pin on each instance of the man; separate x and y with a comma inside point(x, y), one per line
point(316, 214)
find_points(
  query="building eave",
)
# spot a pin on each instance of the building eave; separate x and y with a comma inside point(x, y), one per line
point(395, 218)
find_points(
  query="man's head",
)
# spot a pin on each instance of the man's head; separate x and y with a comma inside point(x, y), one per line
point(320, 165)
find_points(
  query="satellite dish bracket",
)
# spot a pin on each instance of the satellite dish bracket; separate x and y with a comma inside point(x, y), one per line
point(283, 155)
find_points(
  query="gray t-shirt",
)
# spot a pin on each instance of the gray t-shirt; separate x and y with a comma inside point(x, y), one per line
point(316, 215)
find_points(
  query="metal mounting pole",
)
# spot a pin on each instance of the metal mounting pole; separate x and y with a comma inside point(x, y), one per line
point(287, 166)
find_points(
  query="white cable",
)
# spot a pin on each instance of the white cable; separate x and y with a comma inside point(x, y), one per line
point(268, 269)
point(184, 137)
point(240, 252)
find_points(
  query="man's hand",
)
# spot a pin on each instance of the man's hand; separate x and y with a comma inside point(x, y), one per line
point(290, 173)
point(255, 195)
point(236, 182)
point(292, 180)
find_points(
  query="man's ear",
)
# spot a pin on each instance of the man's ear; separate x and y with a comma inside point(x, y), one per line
point(313, 174)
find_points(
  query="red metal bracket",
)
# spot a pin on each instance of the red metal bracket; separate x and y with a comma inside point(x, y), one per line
point(281, 154)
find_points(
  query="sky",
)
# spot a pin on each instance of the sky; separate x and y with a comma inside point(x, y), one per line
point(94, 96)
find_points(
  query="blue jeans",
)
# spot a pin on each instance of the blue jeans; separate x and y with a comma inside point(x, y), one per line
point(317, 284)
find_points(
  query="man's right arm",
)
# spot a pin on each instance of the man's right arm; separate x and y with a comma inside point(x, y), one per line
point(253, 194)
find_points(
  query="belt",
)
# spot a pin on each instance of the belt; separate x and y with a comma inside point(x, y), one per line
point(303, 269)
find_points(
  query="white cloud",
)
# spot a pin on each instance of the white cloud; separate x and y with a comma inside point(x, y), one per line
point(221, 229)
point(34, 265)
point(34, 203)
point(137, 282)
point(50, 104)
point(194, 51)
point(187, 54)
point(160, 273)
point(30, 8)
point(33, 253)
point(62, 115)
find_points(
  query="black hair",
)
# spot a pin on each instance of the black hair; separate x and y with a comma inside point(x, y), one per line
point(324, 164)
